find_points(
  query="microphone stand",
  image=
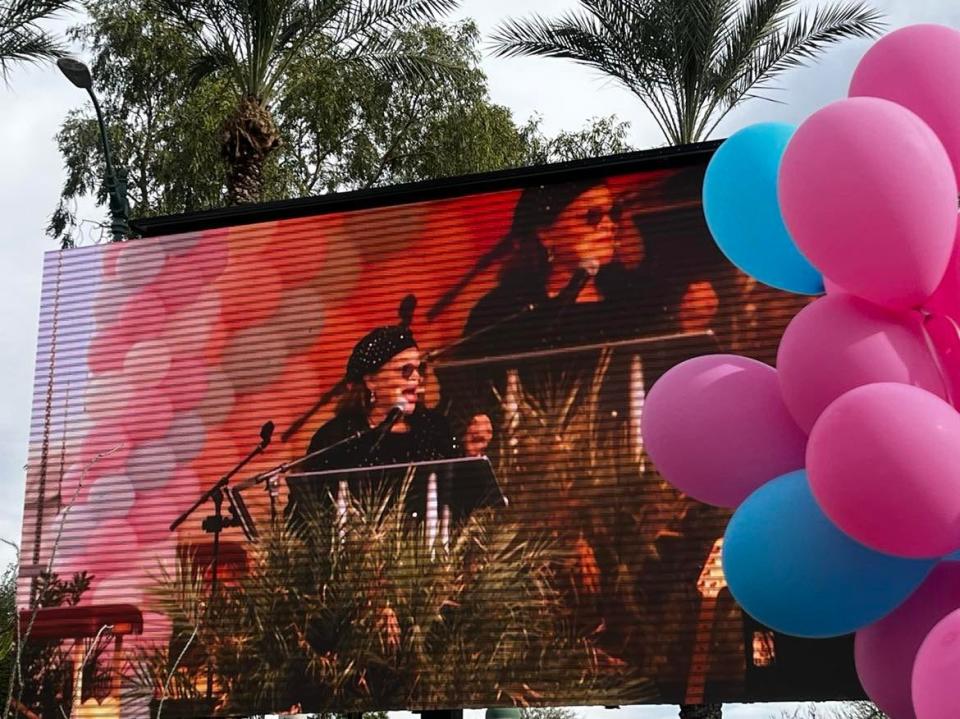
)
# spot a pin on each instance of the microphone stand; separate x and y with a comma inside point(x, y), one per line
point(216, 522)
point(566, 297)
point(434, 354)
point(270, 476)
point(569, 294)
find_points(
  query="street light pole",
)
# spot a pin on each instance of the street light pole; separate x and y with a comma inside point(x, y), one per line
point(79, 74)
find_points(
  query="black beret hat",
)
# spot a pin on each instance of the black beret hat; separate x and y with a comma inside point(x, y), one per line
point(376, 349)
point(539, 206)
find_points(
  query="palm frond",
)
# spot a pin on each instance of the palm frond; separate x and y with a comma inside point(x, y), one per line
point(624, 41)
point(360, 18)
point(695, 31)
point(592, 40)
point(216, 30)
point(687, 61)
point(756, 22)
point(811, 32)
point(406, 65)
point(27, 47)
point(21, 38)
point(572, 36)
point(208, 64)
point(778, 46)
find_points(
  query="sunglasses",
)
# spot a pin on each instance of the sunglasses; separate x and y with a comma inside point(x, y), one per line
point(408, 369)
point(594, 216)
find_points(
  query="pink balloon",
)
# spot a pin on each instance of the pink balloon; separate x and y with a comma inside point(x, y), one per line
point(883, 465)
point(839, 342)
point(945, 300)
point(885, 650)
point(717, 429)
point(868, 193)
point(831, 287)
point(936, 691)
point(944, 334)
point(917, 67)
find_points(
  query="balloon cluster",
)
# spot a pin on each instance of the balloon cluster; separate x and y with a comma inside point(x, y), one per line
point(843, 463)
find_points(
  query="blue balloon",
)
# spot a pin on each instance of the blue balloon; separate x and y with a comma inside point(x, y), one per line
point(743, 213)
point(790, 568)
point(955, 557)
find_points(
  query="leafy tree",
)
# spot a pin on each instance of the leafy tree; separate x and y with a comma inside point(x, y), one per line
point(163, 134)
point(251, 45)
point(22, 40)
point(688, 61)
point(602, 136)
point(341, 127)
point(8, 627)
point(359, 130)
point(848, 710)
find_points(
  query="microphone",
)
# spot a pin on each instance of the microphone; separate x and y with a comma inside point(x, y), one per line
point(393, 416)
point(587, 270)
point(408, 305)
point(266, 434)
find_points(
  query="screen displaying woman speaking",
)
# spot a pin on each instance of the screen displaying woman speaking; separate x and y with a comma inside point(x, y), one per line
point(392, 457)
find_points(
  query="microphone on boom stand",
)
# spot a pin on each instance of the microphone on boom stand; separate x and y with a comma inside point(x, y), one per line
point(216, 522)
point(587, 270)
point(215, 492)
point(266, 434)
point(393, 416)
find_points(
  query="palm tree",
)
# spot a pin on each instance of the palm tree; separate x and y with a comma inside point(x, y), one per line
point(688, 61)
point(252, 43)
point(21, 38)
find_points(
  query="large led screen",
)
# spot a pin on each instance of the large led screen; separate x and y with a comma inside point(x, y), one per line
point(391, 458)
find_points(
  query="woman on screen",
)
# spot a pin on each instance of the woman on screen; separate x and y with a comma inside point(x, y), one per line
point(558, 357)
point(562, 235)
point(382, 409)
point(562, 284)
point(381, 422)
point(562, 240)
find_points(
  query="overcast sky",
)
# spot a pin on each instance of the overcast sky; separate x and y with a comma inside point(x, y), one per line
point(565, 95)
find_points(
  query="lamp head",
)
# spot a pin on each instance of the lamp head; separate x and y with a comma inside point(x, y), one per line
point(76, 72)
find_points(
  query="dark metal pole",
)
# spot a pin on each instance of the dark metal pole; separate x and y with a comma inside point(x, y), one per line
point(217, 520)
point(79, 75)
point(116, 184)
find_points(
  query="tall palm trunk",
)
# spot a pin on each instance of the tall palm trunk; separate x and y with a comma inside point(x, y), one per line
point(249, 136)
point(701, 711)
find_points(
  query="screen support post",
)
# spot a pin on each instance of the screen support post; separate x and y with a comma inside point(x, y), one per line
point(442, 714)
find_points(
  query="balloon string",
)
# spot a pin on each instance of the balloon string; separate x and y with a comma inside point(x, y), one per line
point(934, 351)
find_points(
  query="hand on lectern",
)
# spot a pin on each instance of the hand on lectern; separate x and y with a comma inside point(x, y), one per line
point(478, 435)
